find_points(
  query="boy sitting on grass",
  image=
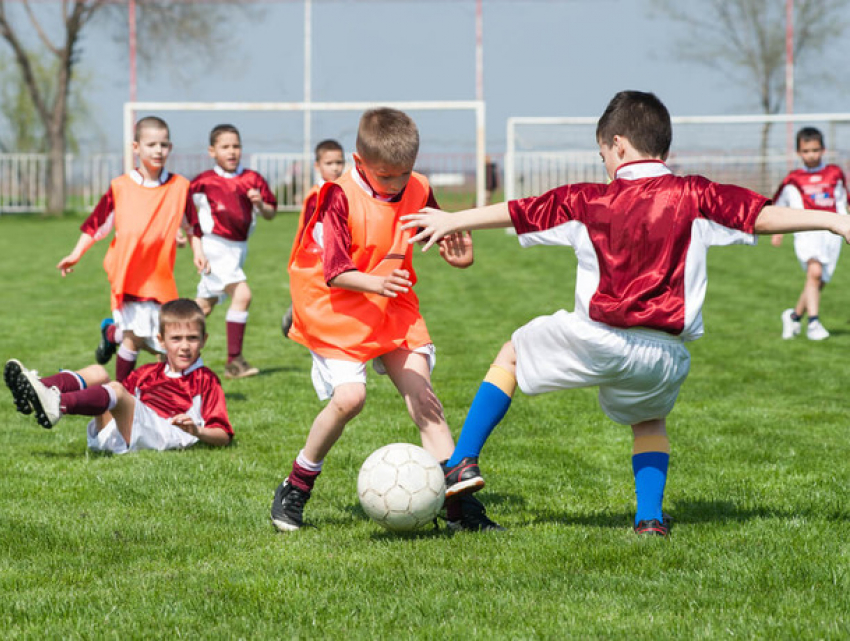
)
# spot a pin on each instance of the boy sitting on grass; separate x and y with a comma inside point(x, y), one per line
point(160, 406)
point(641, 244)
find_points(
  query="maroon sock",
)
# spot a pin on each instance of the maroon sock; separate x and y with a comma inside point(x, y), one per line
point(64, 382)
point(235, 336)
point(302, 478)
point(93, 401)
point(123, 367)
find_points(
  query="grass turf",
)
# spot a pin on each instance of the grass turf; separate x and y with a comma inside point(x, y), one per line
point(179, 543)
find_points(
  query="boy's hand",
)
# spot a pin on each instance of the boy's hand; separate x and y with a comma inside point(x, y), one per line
point(185, 423)
point(255, 197)
point(394, 284)
point(432, 225)
point(456, 249)
point(182, 240)
point(201, 263)
point(776, 240)
point(66, 265)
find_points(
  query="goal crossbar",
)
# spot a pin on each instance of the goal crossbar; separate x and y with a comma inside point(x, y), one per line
point(475, 106)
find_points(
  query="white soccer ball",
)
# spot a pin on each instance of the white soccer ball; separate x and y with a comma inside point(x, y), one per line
point(401, 487)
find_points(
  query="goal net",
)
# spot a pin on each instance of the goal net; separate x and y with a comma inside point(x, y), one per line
point(755, 151)
point(278, 141)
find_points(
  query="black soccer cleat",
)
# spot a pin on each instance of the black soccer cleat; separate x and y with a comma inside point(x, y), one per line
point(11, 374)
point(288, 507)
point(106, 348)
point(654, 527)
point(473, 516)
point(463, 478)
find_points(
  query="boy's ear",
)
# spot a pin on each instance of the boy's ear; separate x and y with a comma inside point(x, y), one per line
point(161, 339)
point(211, 151)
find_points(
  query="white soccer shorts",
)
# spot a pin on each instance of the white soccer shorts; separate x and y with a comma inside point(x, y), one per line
point(638, 371)
point(141, 318)
point(150, 432)
point(822, 246)
point(227, 257)
point(329, 373)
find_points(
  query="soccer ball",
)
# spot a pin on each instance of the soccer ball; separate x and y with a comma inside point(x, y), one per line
point(401, 487)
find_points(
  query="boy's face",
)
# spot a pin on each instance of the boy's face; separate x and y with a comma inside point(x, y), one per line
point(811, 153)
point(330, 164)
point(153, 148)
point(387, 181)
point(227, 151)
point(182, 343)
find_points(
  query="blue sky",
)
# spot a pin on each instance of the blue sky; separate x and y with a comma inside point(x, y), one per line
point(544, 57)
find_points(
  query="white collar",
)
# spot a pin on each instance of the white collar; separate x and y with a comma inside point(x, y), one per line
point(172, 374)
point(144, 182)
point(642, 169)
point(814, 170)
point(226, 174)
point(361, 182)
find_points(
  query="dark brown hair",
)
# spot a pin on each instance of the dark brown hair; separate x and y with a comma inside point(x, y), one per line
point(641, 118)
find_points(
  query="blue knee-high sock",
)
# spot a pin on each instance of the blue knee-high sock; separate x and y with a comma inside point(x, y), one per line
point(650, 470)
point(488, 408)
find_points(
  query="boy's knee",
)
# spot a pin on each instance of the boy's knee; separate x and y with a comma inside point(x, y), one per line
point(349, 399)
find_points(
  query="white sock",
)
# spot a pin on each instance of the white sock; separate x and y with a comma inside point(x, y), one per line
point(236, 317)
point(127, 354)
point(307, 464)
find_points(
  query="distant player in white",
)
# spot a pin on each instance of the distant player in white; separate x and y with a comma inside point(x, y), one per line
point(820, 187)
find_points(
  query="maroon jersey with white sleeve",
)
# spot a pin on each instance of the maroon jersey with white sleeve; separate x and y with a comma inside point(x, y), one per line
point(221, 199)
point(171, 393)
point(823, 188)
point(641, 242)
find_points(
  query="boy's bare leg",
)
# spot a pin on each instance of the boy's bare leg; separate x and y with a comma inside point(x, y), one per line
point(410, 372)
point(650, 459)
point(346, 403)
point(128, 354)
point(94, 375)
point(206, 304)
point(240, 296)
point(125, 408)
point(810, 298)
point(237, 322)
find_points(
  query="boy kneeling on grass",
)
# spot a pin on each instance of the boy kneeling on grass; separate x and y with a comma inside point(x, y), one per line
point(160, 406)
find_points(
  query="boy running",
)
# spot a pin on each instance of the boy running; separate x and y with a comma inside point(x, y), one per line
point(160, 406)
point(815, 186)
point(146, 208)
point(641, 245)
point(351, 277)
point(228, 198)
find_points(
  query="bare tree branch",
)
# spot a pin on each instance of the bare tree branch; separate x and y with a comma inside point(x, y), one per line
point(39, 30)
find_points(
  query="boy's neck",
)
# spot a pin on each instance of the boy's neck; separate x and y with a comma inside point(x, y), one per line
point(172, 372)
point(148, 174)
point(221, 171)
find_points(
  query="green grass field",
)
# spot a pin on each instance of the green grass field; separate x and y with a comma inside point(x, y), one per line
point(179, 544)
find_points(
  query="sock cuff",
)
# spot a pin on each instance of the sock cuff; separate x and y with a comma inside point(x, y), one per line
point(651, 443)
point(501, 378)
point(79, 378)
point(127, 354)
point(113, 397)
point(236, 317)
point(307, 464)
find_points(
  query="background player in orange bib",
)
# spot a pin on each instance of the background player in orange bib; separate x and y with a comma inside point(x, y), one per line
point(147, 208)
point(228, 198)
point(351, 278)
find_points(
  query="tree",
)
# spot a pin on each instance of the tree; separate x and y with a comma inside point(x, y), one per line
point(172, 23)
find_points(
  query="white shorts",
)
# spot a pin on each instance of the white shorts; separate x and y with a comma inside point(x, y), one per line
point(822, 246)
point(328, 373)
point(150, 432)
point(638, 371)
point(141, 318)
point(227, 257)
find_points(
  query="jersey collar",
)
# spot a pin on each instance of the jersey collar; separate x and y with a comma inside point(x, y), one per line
point(361, 182)
point(172, 374)
point(814, 170)
point(226, 174)
point(642, 169)
point(141, 180)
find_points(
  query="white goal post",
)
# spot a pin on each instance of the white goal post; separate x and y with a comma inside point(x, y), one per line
point(544, 152)
point(475, 106)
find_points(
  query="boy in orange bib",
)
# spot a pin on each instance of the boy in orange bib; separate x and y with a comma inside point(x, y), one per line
point(147, 208)
point(351, 279)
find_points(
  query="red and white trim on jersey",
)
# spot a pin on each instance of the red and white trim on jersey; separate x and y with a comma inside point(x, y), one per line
point(641, 242)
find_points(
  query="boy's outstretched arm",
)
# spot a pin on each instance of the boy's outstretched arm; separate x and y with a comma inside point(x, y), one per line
point(390, 286)
point(434, 224)
point(781, 220)
point(66, 265)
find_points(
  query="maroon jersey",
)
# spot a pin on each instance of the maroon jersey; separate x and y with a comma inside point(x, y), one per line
point(817, 186)
point(168, 393)
point(224, 208)
point(336, 232)
point(102, 219)
point(641, 242)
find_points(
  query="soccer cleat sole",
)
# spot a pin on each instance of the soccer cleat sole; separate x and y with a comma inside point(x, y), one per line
point(469, 486)
point(11, 374)
point(283, 526)
point(35, 402)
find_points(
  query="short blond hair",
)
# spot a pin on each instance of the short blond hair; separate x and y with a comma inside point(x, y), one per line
point(181, 310)
point(149, 122)
point(389, 136)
